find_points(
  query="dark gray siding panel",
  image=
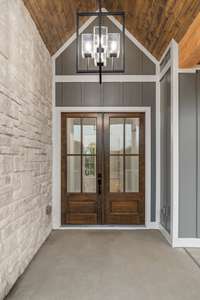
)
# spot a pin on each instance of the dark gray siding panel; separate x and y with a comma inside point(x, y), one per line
point(188, 156)
point(149, 99)
point(198, 147)
point(59, 65)
point(72, 94)
point(148, 68)
point(132, 94)
point(165, 119)
point(59, 94)
point(91, 94)
point(113, 94)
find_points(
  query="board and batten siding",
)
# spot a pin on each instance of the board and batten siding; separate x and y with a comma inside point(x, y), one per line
point(189, 155)
point(165, 150)
point(115, 94)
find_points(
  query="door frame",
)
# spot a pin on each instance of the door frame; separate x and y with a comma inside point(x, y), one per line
point(56, 178)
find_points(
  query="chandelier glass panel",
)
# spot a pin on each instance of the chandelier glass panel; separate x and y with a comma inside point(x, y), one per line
point(100, 46)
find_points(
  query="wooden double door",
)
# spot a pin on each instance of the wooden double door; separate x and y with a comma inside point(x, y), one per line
point(103, 168)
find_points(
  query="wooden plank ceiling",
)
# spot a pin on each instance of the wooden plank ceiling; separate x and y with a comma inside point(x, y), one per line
point(153, 22)
point(190, 45)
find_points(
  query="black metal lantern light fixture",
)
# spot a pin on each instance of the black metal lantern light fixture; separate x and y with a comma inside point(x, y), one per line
point(100, 48)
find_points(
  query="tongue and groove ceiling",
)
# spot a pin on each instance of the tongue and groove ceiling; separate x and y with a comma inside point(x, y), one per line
point(153, 22)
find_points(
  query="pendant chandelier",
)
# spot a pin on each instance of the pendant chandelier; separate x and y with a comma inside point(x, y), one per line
point(100, 47)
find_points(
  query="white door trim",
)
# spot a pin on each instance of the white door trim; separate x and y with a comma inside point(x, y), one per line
point(56, 201)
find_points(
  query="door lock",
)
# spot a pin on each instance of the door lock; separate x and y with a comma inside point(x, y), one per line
point(99, 180)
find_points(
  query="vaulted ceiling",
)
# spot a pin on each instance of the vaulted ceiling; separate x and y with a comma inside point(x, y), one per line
point(153, 22)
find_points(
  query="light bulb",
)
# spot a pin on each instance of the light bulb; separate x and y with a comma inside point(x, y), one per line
point(88, 46)
point(113, 46)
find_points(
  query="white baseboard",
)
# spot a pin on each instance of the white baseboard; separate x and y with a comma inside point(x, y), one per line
point(187, 243)
point(151, 225)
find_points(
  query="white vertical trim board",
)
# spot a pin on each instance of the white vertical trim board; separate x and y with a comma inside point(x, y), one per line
point(175, 141)
point(174, 196)
point(57, 158)
point(55, 141)
point(117, 24)
point(157, 146)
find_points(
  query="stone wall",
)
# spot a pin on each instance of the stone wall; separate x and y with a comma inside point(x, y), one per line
point(25, 141)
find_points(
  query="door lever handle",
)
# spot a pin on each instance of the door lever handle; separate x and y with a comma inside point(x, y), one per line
point(99, 183)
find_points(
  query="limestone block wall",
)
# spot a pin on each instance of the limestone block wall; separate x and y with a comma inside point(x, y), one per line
point(25, 141)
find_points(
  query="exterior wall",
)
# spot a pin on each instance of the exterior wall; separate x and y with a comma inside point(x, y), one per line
point(25, 141)
point(189, 168)
point(165, 150)
point(112, 93)
point(115, 94)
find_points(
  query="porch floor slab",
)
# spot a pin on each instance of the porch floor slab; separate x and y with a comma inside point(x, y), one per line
point(108, 265)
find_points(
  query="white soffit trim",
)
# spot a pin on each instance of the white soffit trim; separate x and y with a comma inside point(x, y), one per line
point(157, 147)
point(175, 141)
point(106, 78)
point(117, 24)
point(191, 71)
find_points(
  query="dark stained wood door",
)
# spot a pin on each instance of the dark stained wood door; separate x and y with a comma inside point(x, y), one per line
point(124, 160)
point(81, 163)
point(102, 168)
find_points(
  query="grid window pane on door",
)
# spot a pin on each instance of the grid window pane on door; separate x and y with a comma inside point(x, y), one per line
point(89, 174)
point(73, 136)
point(132, 145)
point(124, 155)
point(74, 174)
point(81, 155)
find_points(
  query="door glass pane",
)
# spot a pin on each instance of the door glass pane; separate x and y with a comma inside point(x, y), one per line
point(116, 135)
point(132, 131)
point(89, 174)
point(73, 174)
point(132, 174)
point(116, 174)
point(73, 136)
point(89, 136)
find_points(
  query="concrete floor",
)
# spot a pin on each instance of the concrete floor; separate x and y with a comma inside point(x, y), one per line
point(195, 254)
point(109, 265)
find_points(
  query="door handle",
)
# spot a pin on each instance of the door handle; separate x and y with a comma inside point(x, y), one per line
point(99, 183)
